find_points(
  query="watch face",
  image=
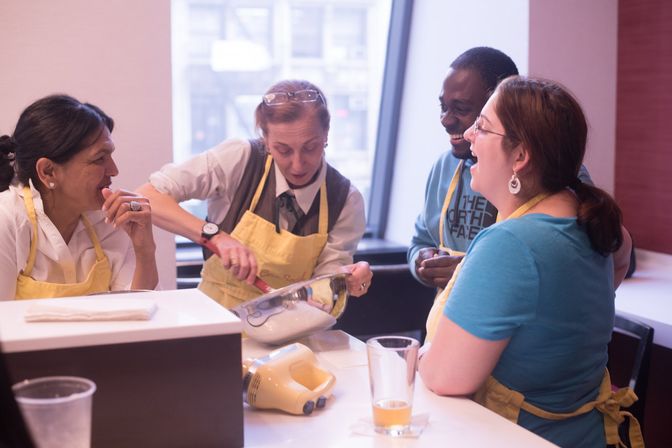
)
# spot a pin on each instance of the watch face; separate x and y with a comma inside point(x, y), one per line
point(210, 229)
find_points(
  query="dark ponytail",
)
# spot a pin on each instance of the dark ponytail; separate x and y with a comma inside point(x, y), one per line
point(601, 217)
point(7, 156)
point(547, 120)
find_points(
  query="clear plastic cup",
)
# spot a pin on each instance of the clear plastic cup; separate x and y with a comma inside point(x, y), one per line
point(57, 410)
point(392, 365)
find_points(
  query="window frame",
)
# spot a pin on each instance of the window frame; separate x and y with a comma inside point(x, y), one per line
point(388, 123)
point(388, 118)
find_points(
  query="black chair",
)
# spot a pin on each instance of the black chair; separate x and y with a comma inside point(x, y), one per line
point(629, 359)
point(396, 303)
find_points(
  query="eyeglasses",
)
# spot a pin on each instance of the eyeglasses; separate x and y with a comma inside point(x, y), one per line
point(300, 96)
point(477, 128)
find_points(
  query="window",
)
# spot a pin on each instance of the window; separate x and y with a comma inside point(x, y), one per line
point(226, 53)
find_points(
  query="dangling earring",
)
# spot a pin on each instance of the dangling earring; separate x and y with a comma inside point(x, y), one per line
point(514, 184)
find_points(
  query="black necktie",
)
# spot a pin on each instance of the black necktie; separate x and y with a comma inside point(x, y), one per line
point(290, 209)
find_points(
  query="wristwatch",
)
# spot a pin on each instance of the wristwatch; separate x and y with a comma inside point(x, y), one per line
point(209, 230)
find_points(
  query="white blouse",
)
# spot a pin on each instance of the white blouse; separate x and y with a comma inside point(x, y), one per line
point(215, 174)
point(56, 261)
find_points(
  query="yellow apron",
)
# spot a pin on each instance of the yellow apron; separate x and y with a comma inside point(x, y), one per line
point(98, 279)
point(439, 304)
point(444, 210)
point(439, 299)
point(282, 258)
point(508, 403)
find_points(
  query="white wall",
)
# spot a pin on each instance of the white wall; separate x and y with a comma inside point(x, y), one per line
point(115, 54)
point(576, 42)
point(441, 31)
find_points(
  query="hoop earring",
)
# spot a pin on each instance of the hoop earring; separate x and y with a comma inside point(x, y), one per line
point(514, 184)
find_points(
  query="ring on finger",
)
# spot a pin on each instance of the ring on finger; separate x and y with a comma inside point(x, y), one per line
point(135, 206)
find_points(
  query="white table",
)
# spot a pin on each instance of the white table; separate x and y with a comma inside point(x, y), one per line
point(182, 313)
point(172, 381)
point(452, 421)
point(647, 296)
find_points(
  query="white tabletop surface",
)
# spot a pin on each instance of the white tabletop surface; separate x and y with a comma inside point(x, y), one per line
point(452, 421)
point(647, 296)
point(180, 313)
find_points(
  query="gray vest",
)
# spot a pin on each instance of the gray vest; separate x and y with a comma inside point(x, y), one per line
point(338, 188)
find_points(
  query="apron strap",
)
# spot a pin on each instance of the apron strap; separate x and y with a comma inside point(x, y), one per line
point(100, 254)
point(446, 203)
point(452, 252)
point(520, 211)
point(32, 216)
point(500, 399)
point(508, 403)
point(323, 223)
point(262, 182)
point(435, 313)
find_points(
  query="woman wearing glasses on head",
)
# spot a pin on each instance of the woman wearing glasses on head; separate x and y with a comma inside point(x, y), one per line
point(276, 208)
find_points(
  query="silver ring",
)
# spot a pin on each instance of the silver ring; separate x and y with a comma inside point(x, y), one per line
point(135, 206)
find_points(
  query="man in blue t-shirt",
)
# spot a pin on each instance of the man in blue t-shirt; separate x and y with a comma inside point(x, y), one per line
point(453, 213)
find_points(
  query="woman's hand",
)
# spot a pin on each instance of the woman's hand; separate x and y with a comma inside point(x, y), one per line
point(132, 213)
point(360, 279)
point(236, 257)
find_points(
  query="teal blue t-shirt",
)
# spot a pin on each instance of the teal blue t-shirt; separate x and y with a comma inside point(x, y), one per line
point(537, 281)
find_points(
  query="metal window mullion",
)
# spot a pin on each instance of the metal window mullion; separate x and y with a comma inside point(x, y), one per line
point(388, 121)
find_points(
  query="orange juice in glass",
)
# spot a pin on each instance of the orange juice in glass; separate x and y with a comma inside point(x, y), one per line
point(392, 365)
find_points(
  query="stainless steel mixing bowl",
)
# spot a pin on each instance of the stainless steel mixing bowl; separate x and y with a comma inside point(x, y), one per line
point(295, 311)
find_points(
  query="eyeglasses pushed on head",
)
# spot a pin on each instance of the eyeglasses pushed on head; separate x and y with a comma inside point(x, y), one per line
point(300, 96)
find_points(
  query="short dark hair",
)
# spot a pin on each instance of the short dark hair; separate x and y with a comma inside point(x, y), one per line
point(56, 127)
point(491, 64)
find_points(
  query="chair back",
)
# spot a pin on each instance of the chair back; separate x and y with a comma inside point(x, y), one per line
point(630, 357)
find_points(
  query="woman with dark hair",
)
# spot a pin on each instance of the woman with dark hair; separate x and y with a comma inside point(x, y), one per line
point(65, 232)
point(276, 209)
point(530, 309)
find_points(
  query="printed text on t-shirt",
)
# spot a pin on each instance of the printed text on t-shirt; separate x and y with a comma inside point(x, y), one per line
point(473, 215)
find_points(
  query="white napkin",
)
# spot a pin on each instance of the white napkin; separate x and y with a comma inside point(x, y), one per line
point(64, 310)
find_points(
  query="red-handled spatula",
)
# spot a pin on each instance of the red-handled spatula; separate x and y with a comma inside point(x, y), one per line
point(260, 284)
